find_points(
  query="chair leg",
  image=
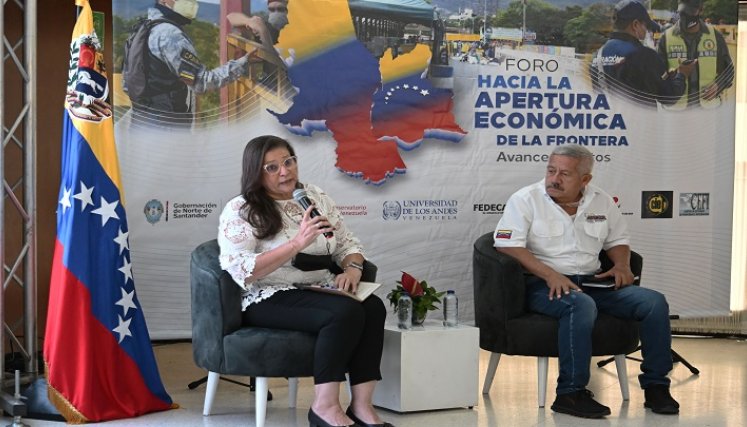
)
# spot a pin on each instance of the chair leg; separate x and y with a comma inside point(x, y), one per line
point(210, 389)
point(490, 373)
point(260, 399)
point(622, 375)
point(350, 388)
point(542, 363)
point(292, 392)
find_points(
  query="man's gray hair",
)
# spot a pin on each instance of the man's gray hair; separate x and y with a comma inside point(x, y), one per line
point(577, 152)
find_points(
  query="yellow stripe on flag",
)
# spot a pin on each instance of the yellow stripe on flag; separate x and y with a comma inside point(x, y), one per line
point(414, 62)
point(85, 20)
point(100, 137)
point(329, 20)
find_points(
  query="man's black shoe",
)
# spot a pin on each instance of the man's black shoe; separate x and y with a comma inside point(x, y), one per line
point(659, 400)
point(580, 404)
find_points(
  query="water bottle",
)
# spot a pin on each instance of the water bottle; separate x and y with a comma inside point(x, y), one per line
point(404, 312)
point(451, 309)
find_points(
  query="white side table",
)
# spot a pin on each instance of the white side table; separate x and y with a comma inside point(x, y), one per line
point(428, 367)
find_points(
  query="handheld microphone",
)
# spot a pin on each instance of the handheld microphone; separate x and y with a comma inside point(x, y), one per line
point(299, 195)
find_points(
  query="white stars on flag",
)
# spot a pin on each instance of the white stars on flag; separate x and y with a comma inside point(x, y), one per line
point(122, 241)
point(391, 92)
point(65, 200)
point(106, 210)
point(123, 328)
point(126, 269)
point(84, 196)
point(126, 301)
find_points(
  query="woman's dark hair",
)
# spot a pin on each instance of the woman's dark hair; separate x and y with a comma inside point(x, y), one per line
point(260, 210)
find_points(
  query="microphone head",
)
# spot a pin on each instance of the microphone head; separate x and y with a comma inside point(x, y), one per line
point(299, 194)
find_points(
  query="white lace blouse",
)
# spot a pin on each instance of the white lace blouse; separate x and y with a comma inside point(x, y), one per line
point(239, 248)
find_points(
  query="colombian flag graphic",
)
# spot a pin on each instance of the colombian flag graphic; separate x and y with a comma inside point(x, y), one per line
point(100, 363)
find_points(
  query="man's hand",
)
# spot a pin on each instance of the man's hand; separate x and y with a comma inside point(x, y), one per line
point(620, 257)
point(255, 24)
point(621, 273)
point(687, 67)
point(560, 285)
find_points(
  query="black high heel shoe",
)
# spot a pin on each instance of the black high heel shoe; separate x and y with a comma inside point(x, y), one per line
point(360, 423)
point(317, 421)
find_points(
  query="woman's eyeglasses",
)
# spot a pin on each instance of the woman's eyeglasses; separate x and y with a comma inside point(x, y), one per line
point(277, 9)
point(274, 167)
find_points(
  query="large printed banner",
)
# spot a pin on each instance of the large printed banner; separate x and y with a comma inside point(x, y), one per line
point(420, 158)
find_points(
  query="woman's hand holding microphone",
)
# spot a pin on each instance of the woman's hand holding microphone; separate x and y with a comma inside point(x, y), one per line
point(310, 228)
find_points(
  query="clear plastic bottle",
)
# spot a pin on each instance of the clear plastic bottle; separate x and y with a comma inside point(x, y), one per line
point(451, 309)
point(404, 312)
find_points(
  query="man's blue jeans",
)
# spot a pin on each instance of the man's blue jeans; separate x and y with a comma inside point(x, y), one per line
point(576, 314)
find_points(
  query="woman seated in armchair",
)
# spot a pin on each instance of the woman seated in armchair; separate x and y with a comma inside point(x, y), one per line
point(260, 232)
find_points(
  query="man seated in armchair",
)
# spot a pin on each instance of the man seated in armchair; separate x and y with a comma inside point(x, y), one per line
point(556, 228)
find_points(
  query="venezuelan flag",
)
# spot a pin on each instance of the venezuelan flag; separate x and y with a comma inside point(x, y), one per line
point(99, 360)
point(409, 107)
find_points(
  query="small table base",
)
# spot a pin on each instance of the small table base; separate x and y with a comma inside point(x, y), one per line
point(429, 367)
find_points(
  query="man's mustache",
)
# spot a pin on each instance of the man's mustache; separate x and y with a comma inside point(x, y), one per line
point(555, 186)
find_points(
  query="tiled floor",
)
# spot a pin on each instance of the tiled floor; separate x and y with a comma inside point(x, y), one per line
point(717, 397)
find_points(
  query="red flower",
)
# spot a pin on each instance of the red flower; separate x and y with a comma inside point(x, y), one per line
point(411, 285)
point(424, 297)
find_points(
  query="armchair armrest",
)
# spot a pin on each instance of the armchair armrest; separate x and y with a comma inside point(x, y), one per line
point(216, 306)
point(498, 284)
point(369, 271)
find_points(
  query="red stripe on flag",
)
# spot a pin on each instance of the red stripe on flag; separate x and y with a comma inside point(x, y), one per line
point(409, 124)
point(86, 364)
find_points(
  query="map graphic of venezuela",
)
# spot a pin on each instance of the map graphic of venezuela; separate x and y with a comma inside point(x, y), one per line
point(372, 108)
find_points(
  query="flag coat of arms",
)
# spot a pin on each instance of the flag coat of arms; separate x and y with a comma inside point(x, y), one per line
point(99, 360)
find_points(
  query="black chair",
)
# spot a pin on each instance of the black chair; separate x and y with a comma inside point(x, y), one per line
point(222, 344)
point(506, 327)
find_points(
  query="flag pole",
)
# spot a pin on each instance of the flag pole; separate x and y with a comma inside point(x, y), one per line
point(30, 226)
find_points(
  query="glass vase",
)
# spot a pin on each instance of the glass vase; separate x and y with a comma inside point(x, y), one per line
point(418, 319)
